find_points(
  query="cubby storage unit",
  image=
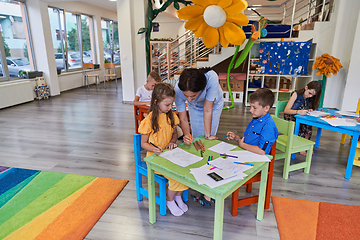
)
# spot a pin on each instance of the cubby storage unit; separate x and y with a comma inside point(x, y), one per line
point(281, 85)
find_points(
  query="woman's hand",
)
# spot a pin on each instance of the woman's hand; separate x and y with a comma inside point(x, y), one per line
point(212, 137)
point(171, 146)
point(188, 139)
point(157, 150)
point(358, 119)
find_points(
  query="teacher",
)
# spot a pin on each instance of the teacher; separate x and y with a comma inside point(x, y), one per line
point(201, 89)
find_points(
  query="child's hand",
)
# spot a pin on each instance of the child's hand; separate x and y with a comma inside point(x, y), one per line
point(302, 112)
point(310, 110)
point(230, 135)
point(171, 146)
point(157, 150)
point(188, 139)
point(358, 119)
point(241, 142)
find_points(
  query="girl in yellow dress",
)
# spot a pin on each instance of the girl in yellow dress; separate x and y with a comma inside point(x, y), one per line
point(158, 133)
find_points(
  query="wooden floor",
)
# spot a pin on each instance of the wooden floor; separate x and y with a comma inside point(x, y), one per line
point(89, 132)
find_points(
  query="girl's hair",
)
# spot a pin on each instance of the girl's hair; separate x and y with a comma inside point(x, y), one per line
point(314, 100)
point(160, 92)
point(155, 76)
point(193, 79)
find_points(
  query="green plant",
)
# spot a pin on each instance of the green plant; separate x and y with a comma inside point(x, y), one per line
point(106, 61)
point(7, 49)
point(22, 73)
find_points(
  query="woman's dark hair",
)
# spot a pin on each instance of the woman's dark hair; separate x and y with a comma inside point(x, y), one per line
point(193, 79)
point(160, 92)
point(314, 100)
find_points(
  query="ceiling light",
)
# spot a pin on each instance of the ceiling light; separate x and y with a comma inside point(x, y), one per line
point(112, 0)
point(2, 17)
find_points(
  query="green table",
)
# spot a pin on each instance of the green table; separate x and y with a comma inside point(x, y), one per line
point(183, 175)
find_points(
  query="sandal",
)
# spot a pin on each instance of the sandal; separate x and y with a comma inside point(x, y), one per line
point(201, 200)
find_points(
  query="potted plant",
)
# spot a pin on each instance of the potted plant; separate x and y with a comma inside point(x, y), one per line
point(30, 74)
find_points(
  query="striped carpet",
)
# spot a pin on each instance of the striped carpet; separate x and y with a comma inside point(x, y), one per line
point(50, 205)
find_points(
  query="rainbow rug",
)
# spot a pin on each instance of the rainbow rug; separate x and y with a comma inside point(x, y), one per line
point(50, 205)
point(307, 220)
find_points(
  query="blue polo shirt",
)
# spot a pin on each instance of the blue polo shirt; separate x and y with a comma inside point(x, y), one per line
point(261, 132)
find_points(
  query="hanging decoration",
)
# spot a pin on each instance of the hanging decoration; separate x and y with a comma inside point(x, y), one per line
point(216, 21)
point(326, 65)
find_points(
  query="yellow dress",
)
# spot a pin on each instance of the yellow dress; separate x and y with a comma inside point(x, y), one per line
point(161, 138)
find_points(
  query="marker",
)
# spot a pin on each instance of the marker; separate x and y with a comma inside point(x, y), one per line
point(208, 160)
point(225, 155)
point(153, 145)
point(225, 136)
point(244, 163)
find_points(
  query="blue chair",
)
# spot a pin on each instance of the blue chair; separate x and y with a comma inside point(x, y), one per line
point(141, 170)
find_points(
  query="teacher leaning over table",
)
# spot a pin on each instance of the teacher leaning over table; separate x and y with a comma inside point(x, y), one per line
point(201, 89)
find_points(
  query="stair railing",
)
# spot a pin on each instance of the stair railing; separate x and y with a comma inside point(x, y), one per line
point(183, 52)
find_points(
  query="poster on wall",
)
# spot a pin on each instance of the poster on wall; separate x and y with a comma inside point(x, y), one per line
point(156, 26)
point(285, 58)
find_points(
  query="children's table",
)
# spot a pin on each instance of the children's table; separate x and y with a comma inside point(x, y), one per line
point(321, 124)
point(183, 175)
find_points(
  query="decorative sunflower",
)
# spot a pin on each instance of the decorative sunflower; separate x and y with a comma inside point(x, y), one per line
point(326, 65)
point(216, 20)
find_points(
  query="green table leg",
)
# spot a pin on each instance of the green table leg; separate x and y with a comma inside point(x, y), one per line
point(261, 202)
point(219, 218)
point(151, 189)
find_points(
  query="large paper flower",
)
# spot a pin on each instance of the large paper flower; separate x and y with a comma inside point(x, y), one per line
point(326, 65)
point(216, 20)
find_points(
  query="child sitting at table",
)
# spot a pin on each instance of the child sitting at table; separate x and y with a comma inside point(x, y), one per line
point(158, 133)
point(301, 102)
point(261, 133)
point(143, 94)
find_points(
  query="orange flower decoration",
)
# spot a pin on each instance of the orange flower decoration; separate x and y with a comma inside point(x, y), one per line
point(326, 65)
point(216, 20)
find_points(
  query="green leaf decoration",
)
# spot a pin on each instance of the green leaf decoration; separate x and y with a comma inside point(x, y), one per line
point(141, 30)
point(176, 5)
point(244, 53)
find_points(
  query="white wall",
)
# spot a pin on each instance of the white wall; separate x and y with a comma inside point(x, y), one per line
point(131, 16)
point(352, 84)
point(169, 26)
point(345, 19)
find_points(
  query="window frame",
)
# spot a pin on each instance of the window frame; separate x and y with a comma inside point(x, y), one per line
point(111, 37)
point(65, 42)
point(29, 46)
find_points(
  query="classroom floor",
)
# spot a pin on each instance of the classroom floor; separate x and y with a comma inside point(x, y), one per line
point(89, 132)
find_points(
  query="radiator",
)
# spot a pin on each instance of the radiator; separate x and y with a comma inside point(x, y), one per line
point(15, 93)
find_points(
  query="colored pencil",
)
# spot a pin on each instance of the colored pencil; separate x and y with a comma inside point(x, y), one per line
point(153, 145)
point(244, 163)
point(225, 155)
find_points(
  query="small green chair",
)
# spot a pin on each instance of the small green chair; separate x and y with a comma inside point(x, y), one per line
point(280, 107)
point(289, 143)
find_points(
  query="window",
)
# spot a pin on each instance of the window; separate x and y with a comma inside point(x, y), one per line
point(110, 40)
point(76, 44)
point(15, 42)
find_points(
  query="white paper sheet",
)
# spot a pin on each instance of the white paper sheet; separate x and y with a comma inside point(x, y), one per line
point(346, 113)
point(180, 157)
point(318, 113)
point(201, 176)
point(247, 156)
point(229, 165)
point(340, 122)
point(222, 147)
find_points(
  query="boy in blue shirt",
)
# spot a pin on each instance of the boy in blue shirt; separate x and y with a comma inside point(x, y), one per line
point(261, 133)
